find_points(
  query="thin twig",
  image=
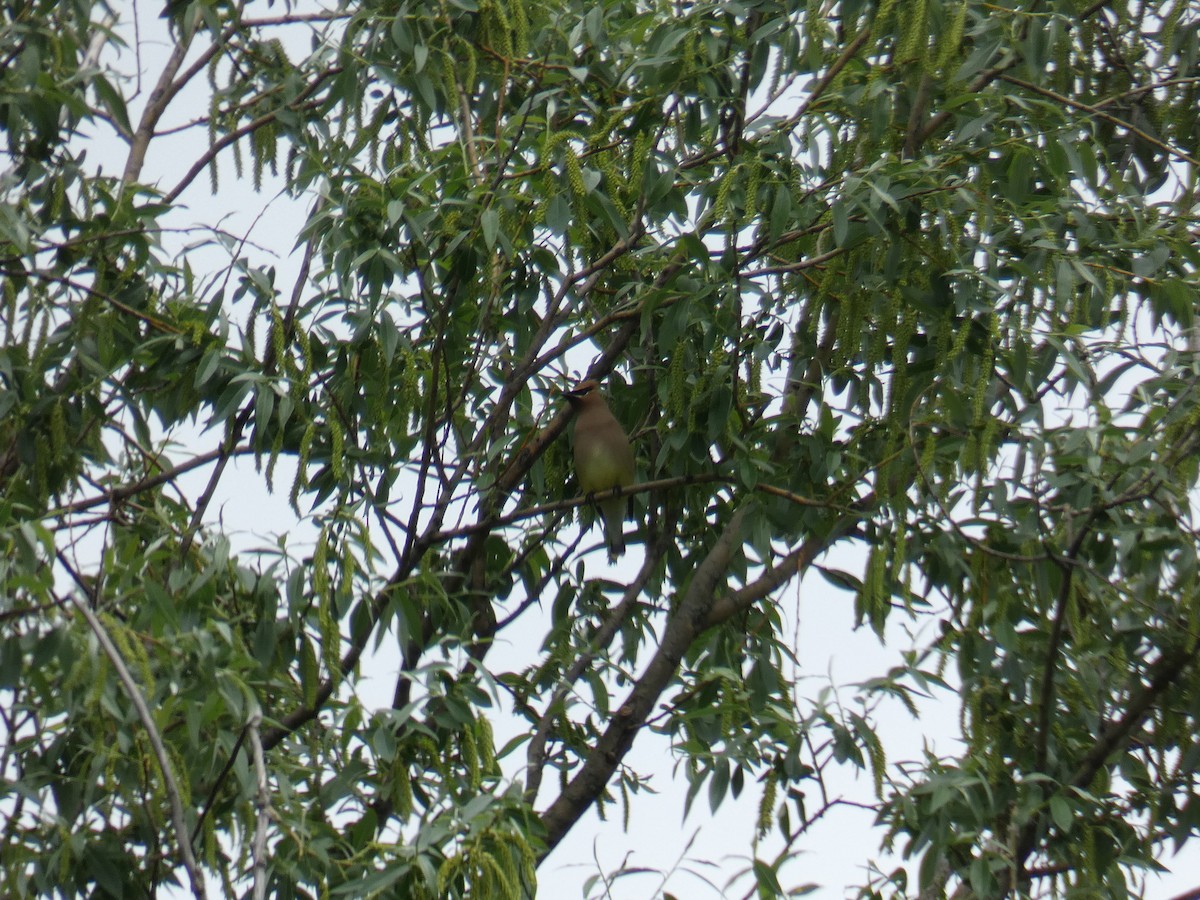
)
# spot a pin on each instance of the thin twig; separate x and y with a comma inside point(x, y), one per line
point(93, 292)
point(642, 487)
point(1101, 114)
point(216, 787)
point(160, 751)
point(827, 79)
point(536, 754)
point(153, 481)
point(807, 263)
point(981, 81)
point(262, 805)
point(302, 101)
point(228, 446)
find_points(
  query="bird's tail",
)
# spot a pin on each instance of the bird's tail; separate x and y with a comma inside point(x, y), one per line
point(614, 526)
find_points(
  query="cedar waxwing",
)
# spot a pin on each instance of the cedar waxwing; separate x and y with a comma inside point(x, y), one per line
point(603, 458)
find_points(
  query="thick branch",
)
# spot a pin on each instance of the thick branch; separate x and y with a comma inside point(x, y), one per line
point(536, 753)
point(1168, 670)
point(683, 627)
point(795, 563)
point(160, 98)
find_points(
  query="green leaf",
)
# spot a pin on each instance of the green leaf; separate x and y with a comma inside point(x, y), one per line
point(373, 884)
point(113, 103)
point(718, 784)
point(1062, 813)
point(490, 221)
point(841, 223)
point(208, 367)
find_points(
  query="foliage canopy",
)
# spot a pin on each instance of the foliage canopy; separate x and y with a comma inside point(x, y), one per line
point(916, 278)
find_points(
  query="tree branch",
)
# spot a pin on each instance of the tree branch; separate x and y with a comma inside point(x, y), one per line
point(237, 134)
point(123, 493)
point(262, 804)
point(156, 743)
point(826, 80)
point(1107, 117)
point(160, 98)
point(536, 753)
point(682, 628)
point(1164, 675)
point(270, 364)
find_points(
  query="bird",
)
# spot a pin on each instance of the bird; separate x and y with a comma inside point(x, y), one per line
point(603, 458)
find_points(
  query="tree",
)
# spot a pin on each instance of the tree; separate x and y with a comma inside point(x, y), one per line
point(915, 278)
